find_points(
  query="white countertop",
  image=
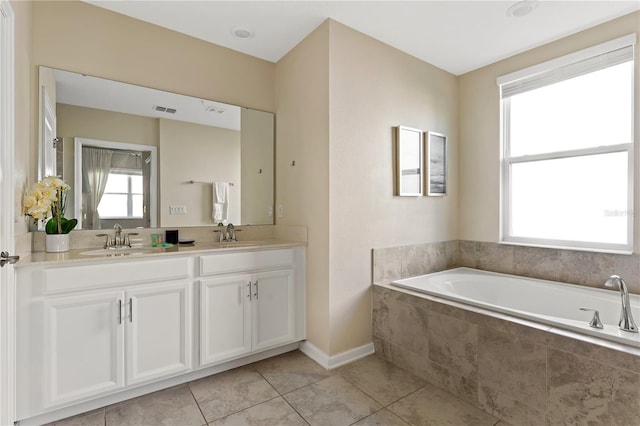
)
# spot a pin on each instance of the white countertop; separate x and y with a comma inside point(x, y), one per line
point(77, 256)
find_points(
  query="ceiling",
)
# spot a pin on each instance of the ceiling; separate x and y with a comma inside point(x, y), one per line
point(457, 36)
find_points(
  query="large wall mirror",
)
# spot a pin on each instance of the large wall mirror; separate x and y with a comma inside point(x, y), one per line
point(143, 157)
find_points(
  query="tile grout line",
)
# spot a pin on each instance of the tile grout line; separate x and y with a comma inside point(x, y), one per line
point(285, 399)
point(197, 403)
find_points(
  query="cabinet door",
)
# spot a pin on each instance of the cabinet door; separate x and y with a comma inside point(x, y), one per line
point(158, 331)
point(272, 308)
point(225, 326)
point(83, 346)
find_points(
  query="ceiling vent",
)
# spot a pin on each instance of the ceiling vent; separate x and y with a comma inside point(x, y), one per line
point(164, 109)
point(215, 109)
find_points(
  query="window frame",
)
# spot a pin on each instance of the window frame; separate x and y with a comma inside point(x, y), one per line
point(129, 173)
point(506, 160)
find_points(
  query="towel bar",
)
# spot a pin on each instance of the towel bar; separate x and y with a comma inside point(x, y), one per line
point(198, 181)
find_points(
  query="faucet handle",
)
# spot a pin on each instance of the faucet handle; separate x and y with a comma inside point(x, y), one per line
point(108, 242)
point(595, 321)
point(221, 233)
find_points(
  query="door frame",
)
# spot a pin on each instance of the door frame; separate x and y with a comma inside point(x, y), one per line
point(7, 288)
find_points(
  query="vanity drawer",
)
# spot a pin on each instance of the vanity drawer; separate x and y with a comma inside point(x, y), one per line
point(73, 278)
point(245, 261)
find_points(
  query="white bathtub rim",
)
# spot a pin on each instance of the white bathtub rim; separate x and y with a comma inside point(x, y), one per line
point(581, 334)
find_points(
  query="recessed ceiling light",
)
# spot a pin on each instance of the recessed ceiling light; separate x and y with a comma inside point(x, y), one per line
point(242, 33)
point(522, 8)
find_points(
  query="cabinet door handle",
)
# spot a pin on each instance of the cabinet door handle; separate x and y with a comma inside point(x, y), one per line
point(119, 311)
point(249, 292)
point(256, 293)
point(131, 309)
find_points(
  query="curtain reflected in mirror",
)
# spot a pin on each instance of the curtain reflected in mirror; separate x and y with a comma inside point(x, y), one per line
point(96, 167)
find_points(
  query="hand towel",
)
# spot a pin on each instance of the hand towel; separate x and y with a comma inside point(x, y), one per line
point(220, 201)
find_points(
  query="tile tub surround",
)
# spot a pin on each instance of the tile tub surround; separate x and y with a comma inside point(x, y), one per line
point(568, 266)
point(519, 371)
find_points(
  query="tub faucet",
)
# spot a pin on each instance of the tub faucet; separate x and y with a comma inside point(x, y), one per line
point(626, 318)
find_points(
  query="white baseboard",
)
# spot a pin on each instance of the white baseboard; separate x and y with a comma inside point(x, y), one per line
point(334, 361)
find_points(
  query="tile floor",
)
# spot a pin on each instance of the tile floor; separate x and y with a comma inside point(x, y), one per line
point(291, 389)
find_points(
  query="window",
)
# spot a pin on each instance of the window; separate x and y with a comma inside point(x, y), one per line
point(567, 162)
point(122, 198)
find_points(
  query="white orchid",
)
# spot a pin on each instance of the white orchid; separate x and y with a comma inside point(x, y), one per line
point(47, 198)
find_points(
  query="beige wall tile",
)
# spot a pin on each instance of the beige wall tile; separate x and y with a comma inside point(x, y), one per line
point(582, 391)
point(453, 344)
point(513, 367)
point(387, 264)
point(408, 327)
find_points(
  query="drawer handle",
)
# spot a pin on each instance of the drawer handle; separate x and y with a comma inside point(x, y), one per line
point(119, 311)
point(130, 309)
point(256, 293)
point(249, 291)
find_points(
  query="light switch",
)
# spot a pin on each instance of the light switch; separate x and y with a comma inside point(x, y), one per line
point(177, 209)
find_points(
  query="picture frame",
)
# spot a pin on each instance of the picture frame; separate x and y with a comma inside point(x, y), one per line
point(436, 159)
point(409, 162)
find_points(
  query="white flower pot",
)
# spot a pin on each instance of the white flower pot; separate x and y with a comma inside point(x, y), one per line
point(56, 243)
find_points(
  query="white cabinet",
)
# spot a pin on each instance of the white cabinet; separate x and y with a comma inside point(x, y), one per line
point(85, 348)
point(253, 303)
point(158, 331)
point(272, 309)
point(96, 331)
point(245, 313)
point(225, 326)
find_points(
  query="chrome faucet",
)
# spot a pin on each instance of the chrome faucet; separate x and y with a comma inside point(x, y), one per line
point(231, 232)
point(227, 234)
point(626, 318)
point(118, 240)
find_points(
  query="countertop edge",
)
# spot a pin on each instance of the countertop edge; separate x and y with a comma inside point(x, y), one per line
point(75, 256)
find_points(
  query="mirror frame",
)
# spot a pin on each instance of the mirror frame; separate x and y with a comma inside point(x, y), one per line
point(77, 181)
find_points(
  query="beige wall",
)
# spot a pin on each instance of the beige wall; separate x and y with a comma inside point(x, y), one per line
point(374, 87)
point(202, 153)
point(341, 187)
point(25, 169)
point(302, 135)
point(480, 127)
point(76, 36)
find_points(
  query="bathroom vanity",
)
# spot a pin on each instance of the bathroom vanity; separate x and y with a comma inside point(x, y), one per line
point(94, 330)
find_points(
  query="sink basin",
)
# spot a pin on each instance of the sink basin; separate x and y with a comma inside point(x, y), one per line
point(127, 251)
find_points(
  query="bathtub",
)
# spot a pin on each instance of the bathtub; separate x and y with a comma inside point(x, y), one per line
point(548, 302)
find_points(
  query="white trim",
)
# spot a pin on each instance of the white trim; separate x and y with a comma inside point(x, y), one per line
point(77, 181)
point(334, 361)
point(618, 43)
point(7, 243)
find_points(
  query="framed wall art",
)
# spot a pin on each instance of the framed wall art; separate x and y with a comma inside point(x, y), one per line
point(436, 153)
point(409, 161)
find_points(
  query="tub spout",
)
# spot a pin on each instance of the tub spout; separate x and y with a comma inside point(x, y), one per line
point(626, 318)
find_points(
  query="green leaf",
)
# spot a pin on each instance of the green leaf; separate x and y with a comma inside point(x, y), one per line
point(66, 225)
